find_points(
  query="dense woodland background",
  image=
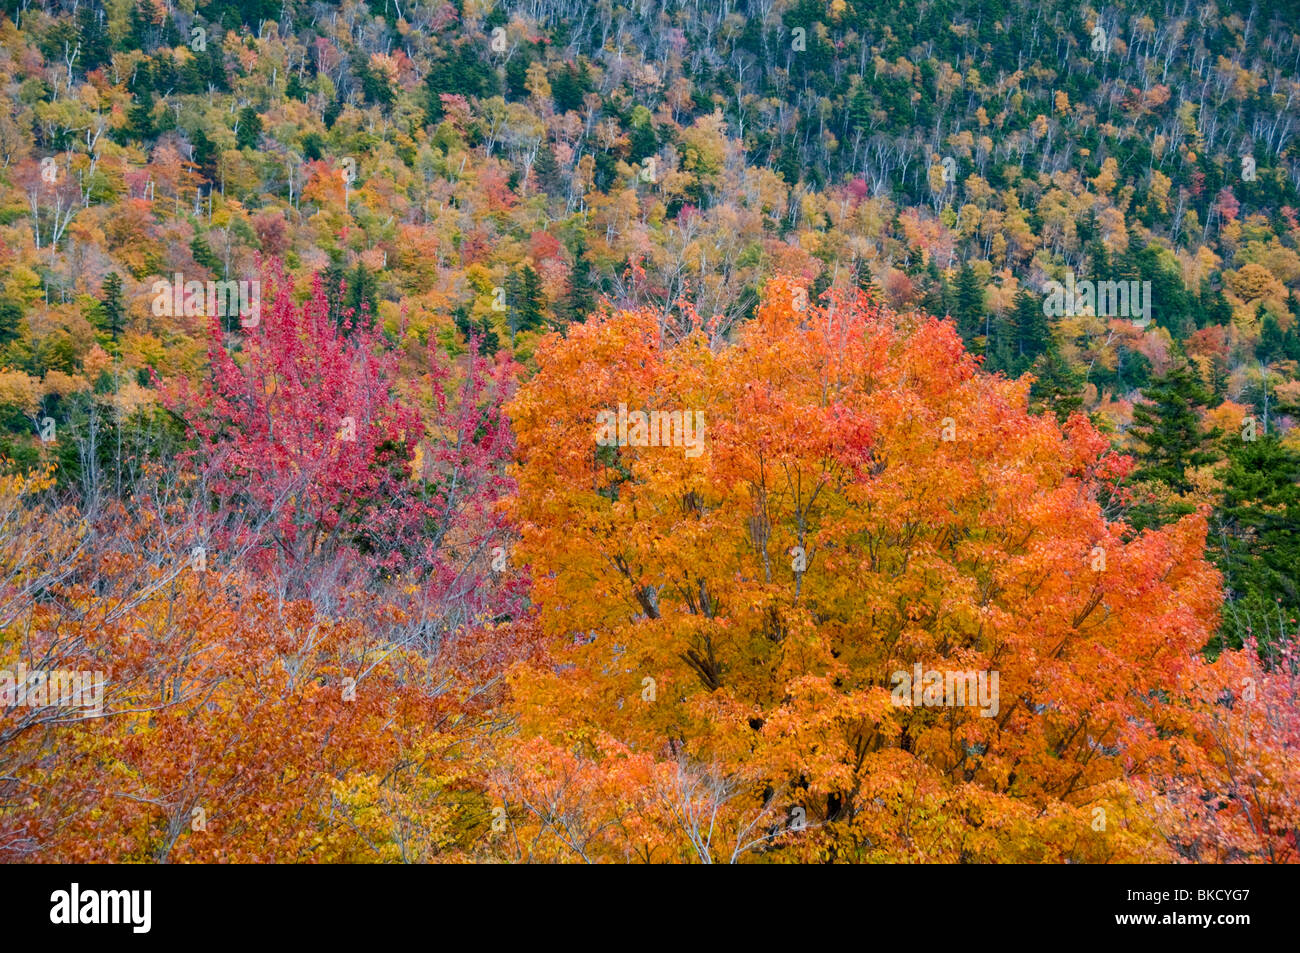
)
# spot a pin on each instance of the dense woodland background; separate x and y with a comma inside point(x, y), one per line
point(454, 629)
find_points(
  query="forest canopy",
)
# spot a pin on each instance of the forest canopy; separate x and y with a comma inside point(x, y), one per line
point(660, 432)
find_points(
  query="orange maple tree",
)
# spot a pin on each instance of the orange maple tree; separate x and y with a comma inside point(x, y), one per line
point(730, 626)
